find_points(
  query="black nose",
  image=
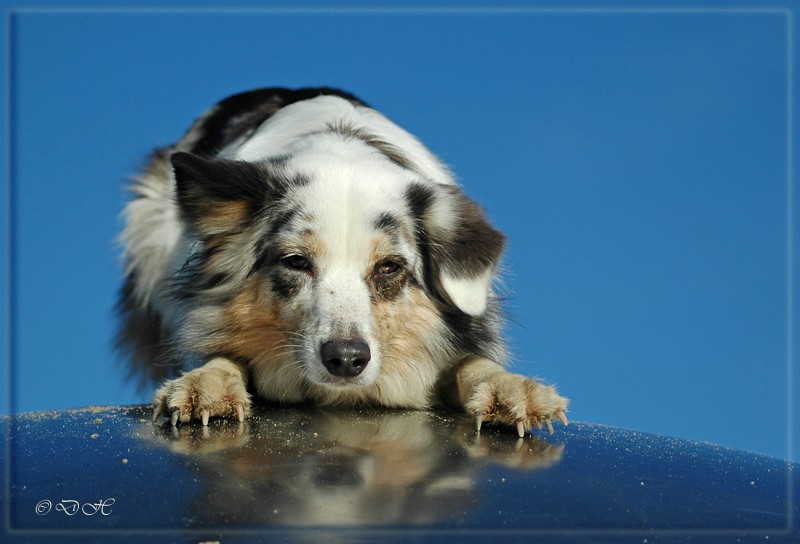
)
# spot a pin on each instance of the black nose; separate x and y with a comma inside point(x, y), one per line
point(345, 357)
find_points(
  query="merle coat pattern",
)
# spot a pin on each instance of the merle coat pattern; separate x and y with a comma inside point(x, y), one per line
point(298, 246)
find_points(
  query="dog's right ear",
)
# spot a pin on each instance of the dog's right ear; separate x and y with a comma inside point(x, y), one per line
point(217, 196)
point(463, 248)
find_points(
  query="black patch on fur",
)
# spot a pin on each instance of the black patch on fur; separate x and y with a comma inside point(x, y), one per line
point(284, 283)
point(387, 223)
point(419, 198)
point(281, 220)
point(277, 171)
point(479, 335)
point(265, 257)
point(241, 114)
point(474, 245)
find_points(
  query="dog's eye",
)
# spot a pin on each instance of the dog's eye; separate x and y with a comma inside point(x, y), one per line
point(387, 268)
point(296, 262)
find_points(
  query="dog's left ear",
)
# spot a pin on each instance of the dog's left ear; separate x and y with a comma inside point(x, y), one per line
point(216, 196)
point(463, 247)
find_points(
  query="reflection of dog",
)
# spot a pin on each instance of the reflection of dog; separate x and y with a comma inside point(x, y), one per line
point(301, 243)
point(312, 468)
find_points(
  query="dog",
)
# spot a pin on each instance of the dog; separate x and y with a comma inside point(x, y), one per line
point(297, 245)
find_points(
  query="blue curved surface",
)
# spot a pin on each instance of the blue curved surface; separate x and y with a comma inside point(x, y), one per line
point(303, 474)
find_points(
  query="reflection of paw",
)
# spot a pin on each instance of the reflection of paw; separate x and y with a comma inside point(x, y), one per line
point(514, 400)
point(215, 389)
point(519, 453)
point(219, 436)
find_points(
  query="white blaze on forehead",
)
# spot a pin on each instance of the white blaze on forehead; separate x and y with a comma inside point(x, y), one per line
point(349, 188)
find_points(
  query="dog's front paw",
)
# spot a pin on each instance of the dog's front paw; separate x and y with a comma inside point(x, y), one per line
point(514, 400)
point(215, 389)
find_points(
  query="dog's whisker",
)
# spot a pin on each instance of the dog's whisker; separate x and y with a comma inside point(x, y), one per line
point(284, 370)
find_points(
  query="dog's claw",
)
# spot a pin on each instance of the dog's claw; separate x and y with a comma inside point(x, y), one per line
point(549, 426)
point(156, 413)
point(520, 428)
point(562, 417)
point(240, 412)
point(175, 416)
point(478, 423)
point(205, 416)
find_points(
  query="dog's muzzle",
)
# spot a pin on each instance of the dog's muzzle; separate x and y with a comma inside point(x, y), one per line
point(345, 358)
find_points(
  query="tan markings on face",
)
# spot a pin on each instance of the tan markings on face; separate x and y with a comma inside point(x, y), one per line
point(312, 243)
point(224, 217)
point(306, 242)
point(407, 328)
point(255, 331)
point(252, 328)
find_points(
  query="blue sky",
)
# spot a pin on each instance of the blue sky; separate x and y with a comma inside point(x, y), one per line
point(637, 159)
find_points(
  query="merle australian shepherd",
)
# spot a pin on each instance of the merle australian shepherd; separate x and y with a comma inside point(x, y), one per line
point(298, 246)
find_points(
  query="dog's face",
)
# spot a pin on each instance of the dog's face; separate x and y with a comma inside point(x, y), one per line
point(334, 268)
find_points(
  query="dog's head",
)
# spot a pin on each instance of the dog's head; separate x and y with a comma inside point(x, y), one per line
point(334, 265)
